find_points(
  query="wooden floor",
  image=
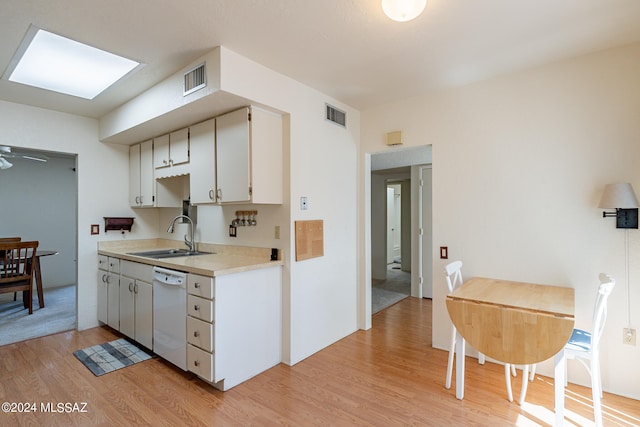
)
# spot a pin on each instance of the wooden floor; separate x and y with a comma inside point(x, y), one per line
point(387, 376)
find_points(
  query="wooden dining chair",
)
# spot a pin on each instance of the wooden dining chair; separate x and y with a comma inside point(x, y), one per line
point(6, 240)
point(18, 263)
point(453, 275)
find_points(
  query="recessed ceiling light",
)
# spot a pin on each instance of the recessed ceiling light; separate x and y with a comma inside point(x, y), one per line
point(53, 62)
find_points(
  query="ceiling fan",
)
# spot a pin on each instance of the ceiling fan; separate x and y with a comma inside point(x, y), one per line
point(7, 153)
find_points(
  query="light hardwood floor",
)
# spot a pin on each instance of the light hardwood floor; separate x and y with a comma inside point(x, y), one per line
point(387, 376)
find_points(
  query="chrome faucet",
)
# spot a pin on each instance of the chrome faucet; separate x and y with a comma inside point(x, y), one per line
point(190, 243)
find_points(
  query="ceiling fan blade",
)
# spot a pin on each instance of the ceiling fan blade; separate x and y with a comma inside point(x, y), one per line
point(8, 153)
point(38, 158)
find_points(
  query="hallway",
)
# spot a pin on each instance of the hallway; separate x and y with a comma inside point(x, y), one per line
point(385, 293)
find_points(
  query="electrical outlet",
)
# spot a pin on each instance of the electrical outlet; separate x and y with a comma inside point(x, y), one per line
point(277, 232)
point(629, 336)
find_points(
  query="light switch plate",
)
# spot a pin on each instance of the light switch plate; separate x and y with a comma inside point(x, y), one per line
point(304, 203)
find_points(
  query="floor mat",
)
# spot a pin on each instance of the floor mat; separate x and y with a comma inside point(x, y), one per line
point(104, 358)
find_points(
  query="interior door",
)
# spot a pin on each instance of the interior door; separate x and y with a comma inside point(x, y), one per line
point(394, 228)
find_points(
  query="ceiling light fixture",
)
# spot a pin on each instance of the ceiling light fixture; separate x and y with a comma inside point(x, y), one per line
point(49, 61)
point(403, 10)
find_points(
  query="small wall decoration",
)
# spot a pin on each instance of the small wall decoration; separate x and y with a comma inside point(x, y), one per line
point(309, 239)
point(118, 223)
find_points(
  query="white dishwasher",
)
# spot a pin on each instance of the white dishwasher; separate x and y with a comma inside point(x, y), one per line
point(170, 315)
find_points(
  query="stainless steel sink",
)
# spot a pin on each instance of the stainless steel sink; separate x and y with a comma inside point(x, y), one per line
point(168, 253)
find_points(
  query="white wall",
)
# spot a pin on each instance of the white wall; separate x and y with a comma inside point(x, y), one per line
point(320, 294)
point(519, 164)
point(102, 173)
point(38, 202)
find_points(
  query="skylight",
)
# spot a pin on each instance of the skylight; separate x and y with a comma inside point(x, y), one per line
point(53, 62)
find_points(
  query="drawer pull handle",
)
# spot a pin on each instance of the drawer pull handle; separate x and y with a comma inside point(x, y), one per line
point(196, 307)
point(196, 285)
point(196, 334)
point(196, 362)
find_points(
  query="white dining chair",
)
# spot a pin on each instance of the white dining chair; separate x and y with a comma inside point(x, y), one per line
point(453, 274)
point(584, 346)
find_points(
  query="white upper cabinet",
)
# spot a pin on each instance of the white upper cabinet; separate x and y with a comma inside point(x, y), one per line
point(232, 149)
point(141, 180)
point(161, 151)
point(203, 162)
point(179, 146)
point(171, 149)
point(249, 157)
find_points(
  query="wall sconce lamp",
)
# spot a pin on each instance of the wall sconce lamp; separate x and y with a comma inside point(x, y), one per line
point(620, 196)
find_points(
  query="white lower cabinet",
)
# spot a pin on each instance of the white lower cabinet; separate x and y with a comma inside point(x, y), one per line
point(136, 302)
point(136, 310)
point(234, 321)
point(201, 327)
point(108, 291)
point(125, 298)
point(234, 325)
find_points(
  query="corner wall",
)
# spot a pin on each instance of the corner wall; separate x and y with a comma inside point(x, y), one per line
point(320, 294)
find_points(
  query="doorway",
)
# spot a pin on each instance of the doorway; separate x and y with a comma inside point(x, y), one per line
point(44, 208)
point(387, 170)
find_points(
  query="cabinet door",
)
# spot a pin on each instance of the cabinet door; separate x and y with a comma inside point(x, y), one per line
point(144, 313)
point(134, 175)
point(266, 157)
point(203, 162)
point(113, 304)
point(103, 299)
point(232, 150)
point(179, 147)
point(161, 151)
point(147, 183)
point(127, 321)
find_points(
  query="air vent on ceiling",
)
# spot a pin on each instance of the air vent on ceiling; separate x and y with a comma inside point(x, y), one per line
point(195, 79)
point(336, 116)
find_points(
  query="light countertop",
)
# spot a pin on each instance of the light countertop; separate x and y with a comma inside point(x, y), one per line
point(224, 259)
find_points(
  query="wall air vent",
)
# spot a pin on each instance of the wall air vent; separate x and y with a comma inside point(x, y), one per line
point(195, 79)
point(336, 116)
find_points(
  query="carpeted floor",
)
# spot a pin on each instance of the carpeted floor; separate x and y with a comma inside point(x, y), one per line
point(58, 314)
point(385, 293)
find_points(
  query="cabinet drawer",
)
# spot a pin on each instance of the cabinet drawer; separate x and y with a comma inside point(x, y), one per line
point(136, 270)
point(200, 333)
point(200, 362)
point(103, 262)
point(200, 308)
point(201, 286)
point(114, 265)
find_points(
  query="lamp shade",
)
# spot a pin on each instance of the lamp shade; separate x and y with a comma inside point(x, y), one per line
point(618, 196)
point(403, 10)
